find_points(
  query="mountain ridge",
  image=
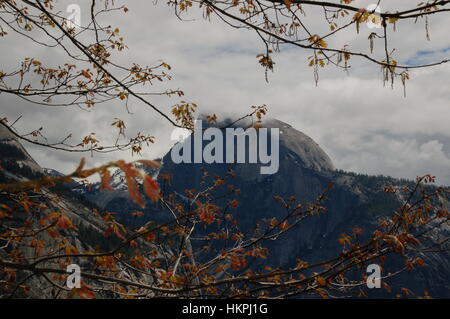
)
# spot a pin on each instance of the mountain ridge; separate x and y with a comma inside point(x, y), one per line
point(304, 172)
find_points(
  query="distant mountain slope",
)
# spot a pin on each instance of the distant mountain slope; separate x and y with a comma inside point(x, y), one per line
point(305, 171)
point(17, 165)
point(15, 162)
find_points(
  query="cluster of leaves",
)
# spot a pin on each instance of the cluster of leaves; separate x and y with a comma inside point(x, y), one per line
point(200, 251)
point(285, 22)
point(90, 77)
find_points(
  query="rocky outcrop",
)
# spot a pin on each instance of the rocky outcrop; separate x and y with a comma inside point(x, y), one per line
point(305, 170)
point(310, 154)
point(17, 164)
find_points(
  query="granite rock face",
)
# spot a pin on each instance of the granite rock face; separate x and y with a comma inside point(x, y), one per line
point(17, 164)
point(308, 151)
point(305, 170)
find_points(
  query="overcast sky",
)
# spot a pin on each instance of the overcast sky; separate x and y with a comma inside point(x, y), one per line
point(363, 126)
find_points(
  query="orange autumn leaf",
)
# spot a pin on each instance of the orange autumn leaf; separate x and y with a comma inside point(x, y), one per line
point(273, 222)
point(149, 237)
point(137, 214)
point(322, 293)
point(115, 228)
point(53, 233)
point(406, 291)
point(130, 174)
point(207, 213)
point(106, 180)
point(133, 190)
point(83, 293)
point(419, 262)
point(86, 74)
point(65, 223)
point(151, 188)
point(233, 203)
point(133, 243)
point(128, 169)
point(238, 262)
point(71, 250)
point(321, 281)
point(284, 225)
point(317, 41)
point(287, 3)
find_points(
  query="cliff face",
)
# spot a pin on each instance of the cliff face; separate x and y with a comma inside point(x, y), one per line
point(308, 152)
point(17, 165)
point(305, 170)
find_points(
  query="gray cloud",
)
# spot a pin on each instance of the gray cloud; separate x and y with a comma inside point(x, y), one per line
point(362, 125)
